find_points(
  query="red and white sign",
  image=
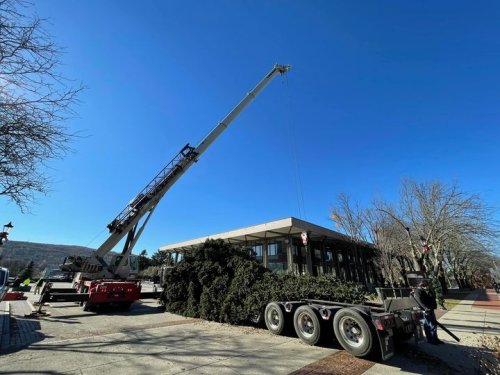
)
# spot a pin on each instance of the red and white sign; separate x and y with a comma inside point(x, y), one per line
point(305, 238)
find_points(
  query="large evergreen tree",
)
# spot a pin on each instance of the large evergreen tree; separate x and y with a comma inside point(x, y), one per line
point(224, 283)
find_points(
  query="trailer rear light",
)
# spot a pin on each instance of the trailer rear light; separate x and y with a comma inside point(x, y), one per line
point(384, 322)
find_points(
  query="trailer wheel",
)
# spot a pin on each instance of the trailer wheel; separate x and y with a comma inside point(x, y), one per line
point(308, 325)
point(274, 317)
point(353, 332)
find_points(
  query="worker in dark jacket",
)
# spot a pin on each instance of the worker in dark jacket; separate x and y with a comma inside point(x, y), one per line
point(426, 298)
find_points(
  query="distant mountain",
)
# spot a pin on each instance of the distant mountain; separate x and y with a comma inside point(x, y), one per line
point(44, 255)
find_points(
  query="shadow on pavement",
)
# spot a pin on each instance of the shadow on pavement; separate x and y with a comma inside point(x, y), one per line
point(24, 331)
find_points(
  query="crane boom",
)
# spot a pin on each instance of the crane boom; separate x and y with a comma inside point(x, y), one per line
point(126, 222)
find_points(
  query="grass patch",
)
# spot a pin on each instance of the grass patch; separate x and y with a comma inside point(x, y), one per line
point(453, 297)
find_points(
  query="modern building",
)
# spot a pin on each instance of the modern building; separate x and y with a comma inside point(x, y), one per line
point(299, 247)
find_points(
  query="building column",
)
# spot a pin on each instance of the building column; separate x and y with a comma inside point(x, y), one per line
point(264, 253)
point(365, 269)
point(309, 258)
point(323, 262)
point(347, 264)
point(336, 263)
point(289, 254)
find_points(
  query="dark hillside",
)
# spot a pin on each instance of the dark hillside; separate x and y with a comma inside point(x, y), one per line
point(44, 255)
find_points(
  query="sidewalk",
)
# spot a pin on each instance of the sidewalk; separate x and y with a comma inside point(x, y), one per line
point(4, 325)
point(16, 330)
point(476, 321)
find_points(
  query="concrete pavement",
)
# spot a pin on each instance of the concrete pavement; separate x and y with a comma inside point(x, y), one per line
point(145, 341)
point(71, 341)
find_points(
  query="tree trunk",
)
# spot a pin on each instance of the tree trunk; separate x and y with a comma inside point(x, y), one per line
point(440, 276)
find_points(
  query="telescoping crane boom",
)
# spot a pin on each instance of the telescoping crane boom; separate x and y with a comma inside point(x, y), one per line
point(144, 204)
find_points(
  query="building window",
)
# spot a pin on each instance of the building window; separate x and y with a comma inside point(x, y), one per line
point(257, 252)
point(329, 262)
point(276, 256)
point(272, 249)
point(317, 262)
point(299, 259)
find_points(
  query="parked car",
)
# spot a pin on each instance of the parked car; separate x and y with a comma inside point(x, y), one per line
point(4, 282)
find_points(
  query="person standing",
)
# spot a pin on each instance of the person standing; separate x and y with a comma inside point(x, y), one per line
point(38, 285)
point(426, 298)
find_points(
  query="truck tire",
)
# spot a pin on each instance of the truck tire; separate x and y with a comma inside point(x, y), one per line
point(274, 317)
point(307, 325)
point(353, 332)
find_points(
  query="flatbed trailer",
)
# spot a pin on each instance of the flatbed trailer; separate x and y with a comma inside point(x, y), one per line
point(361, 329)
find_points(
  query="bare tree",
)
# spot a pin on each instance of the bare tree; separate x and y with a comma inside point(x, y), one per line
point(434, 216)
point(435, 228)
point(35, 99)
point(350, 218)
point(469, 263)
point(440, 214)
point(391, 246)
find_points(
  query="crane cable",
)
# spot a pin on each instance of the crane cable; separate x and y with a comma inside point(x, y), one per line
point(95, 237)
point(294, 153)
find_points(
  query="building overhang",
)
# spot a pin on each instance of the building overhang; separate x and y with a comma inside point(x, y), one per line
point(290, 226)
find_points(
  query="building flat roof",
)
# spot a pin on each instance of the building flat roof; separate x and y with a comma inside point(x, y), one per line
point(272, 229)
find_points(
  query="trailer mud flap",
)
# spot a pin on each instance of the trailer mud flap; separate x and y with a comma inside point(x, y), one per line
point(386, 343)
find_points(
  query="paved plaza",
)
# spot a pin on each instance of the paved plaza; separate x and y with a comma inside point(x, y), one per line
point(146, 340)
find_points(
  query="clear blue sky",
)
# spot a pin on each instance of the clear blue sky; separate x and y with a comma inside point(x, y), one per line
point(379, 90)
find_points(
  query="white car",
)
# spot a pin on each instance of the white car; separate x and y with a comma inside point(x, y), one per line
point(4, 280)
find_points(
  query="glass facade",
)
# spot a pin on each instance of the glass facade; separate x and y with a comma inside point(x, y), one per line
point(318, 257)
point(317, 260)
point(299, 259)
point(329, 262)
point(277, 259)
point(257, 252)
point(321, 254)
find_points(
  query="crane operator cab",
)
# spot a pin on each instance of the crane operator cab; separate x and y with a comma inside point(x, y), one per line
point(120, 267)
point(125, 266)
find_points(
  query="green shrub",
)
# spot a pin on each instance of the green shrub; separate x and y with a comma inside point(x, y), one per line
point(222, 283)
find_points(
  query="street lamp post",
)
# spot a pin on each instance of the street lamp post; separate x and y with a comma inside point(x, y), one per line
point(5, 233)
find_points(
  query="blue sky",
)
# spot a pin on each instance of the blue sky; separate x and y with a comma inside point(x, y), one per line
point(379, 91)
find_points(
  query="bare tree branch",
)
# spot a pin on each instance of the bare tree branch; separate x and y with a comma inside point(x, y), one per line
point(35, 100)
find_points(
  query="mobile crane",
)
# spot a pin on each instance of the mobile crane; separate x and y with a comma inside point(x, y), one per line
point(98, 282)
